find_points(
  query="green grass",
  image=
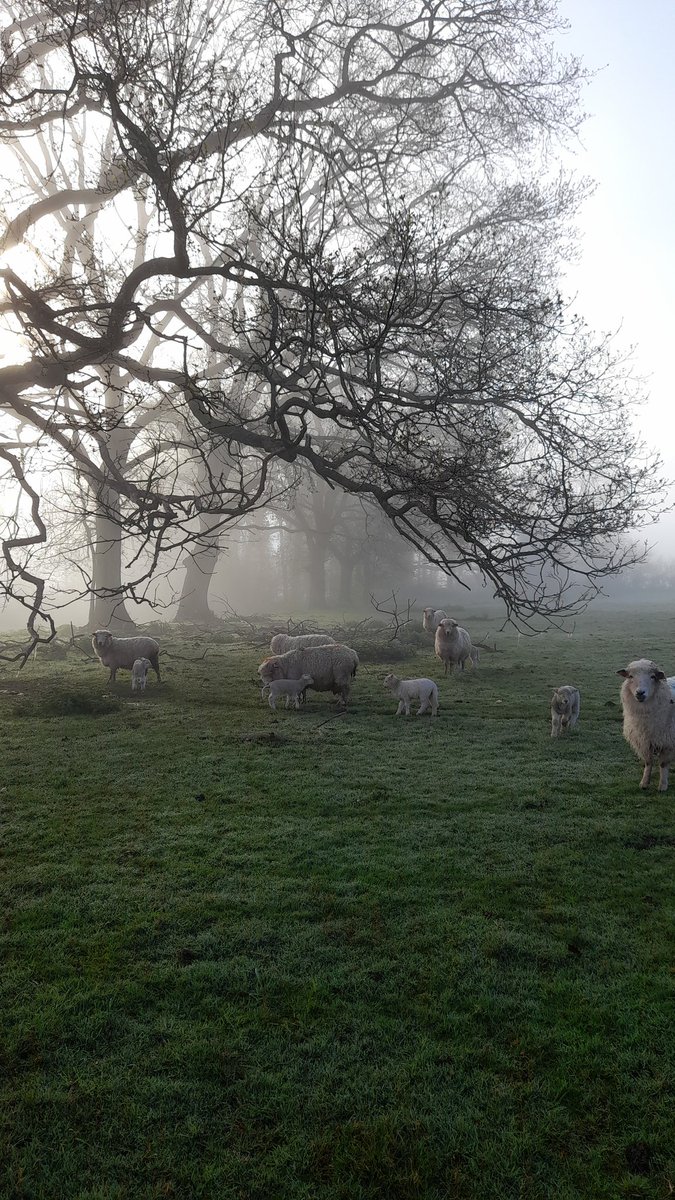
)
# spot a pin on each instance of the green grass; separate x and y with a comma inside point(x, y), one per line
point(364, 957)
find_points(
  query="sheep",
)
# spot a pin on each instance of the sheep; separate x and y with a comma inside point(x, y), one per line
point(475, 657)
point(432, 619)
point(139, 673)
point(648, 701)
point(565, 705)
point(452, 644)
point(121, 653)
point(331, 667)
point(412, 689)
point(283, 642)
point(288, 688)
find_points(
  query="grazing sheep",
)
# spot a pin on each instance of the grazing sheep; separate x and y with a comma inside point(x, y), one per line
point(565, 705)
point(413, 689)
point(432, 619)
point(121, 653)
point(452, 644)
point(475, 657)
point(331, 667)
point(139, 674)
point(283, 642)
point(648, 701)
point(288, 688)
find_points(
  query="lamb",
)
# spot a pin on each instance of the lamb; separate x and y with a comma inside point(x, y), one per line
point(331, 667)
point(565, 705)
point(139, 673)
point(432, 619)
point(648, 701)
point(121, 653)
point(452, 644)
point(283, 642)
point(412, 689)
point(288, 688)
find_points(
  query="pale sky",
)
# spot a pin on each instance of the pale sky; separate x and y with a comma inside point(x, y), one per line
point(627, 273)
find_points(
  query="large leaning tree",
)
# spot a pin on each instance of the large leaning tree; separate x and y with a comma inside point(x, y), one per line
point(352, 230)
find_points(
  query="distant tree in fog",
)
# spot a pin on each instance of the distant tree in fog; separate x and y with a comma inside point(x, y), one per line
point(361, 194)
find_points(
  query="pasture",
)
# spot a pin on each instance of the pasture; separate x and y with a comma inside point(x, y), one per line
point(280, 956)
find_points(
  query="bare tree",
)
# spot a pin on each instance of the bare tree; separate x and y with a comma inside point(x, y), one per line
point(371, 188)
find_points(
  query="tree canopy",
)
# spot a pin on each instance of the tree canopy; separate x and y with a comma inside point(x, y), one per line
point(323, 234)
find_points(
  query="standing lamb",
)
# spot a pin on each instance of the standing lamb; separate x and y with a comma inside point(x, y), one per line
point(413, 689)
point(331, 667)
point(648, 704)
point(139, 674)
point(432, 619)
point(121, 653)
point(288, 688)
point(565, 706)
point(283, 642)
point(452, 644)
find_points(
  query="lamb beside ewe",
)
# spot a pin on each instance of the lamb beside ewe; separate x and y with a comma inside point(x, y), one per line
point(139, 674)
point(121, 653)
point(283, 642)
point(424, 690)
point(648, 702)
point(331, 667)
point(452, 644)
point(432, 619)
point(288, 688)
point(565, 706)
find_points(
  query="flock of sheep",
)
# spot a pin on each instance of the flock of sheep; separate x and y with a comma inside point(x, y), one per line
point(316, 661)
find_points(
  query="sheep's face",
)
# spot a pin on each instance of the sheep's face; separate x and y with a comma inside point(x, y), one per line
point(448, 626)
point(642, 679)
point(101, 639)
point(269, 670)
point(307, 680)
point(562, 704)
point(391, 681)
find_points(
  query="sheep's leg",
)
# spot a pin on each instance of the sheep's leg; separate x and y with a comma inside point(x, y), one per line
point(555, 724)
point(297, 699)
point(407, 707)
point(646, 774)
point(272, 701)
point(344, 694)
point(400, 708)
point(423, 707)
point(113, 673)
point(663, 776)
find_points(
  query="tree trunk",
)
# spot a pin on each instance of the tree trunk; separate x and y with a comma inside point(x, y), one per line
point(317, 555)
point(346, 580)
point(200, 566)
point(107, 607)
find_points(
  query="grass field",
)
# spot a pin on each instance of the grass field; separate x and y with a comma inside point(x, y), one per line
point(289, 956)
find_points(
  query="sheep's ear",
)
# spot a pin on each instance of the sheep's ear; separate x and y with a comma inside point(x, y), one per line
point(659, 675)
point(624, 673)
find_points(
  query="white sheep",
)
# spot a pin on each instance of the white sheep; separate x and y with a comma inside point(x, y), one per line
point(565, 706)
point(288, 688)
point(452, 644)
point(424, 690)
point(283, 642)
point(121, 653)
point(139, 674)
point(648, 701)
point(432, 619)
point(331, 667)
